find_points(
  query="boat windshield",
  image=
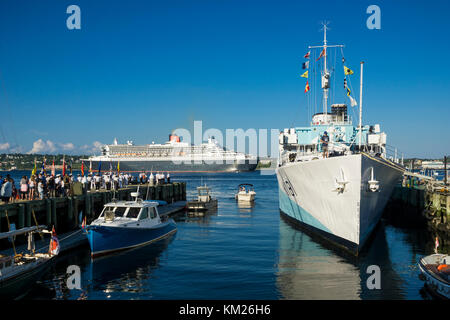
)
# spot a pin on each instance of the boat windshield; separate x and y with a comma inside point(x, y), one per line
point(133, 213)
point(113, 212)
point(120, 211)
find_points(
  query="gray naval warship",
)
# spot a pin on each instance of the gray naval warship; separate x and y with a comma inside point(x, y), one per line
point(172, 156)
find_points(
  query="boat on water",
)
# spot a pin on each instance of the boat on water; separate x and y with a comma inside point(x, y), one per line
point(246, 193)
point(435, 270)
point(335, 178)
point(20, 271)
point(125, 225)
point(204, 201)
point(172, 156)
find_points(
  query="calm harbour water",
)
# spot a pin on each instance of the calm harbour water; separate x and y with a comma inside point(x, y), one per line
point(242, 253)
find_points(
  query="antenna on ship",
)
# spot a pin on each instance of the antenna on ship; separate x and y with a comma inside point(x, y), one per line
point(360, 105)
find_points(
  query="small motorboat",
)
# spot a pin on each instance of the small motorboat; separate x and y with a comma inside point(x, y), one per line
point(18, 272)
point(246, 193)
point(204, 201)
point(125, 225)
point(435, 270)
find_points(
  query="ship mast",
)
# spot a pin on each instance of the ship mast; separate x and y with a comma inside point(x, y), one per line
point(325, 73)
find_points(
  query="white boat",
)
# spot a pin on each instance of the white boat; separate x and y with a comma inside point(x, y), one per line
point(20, 271)
point(337, 193)
point(435, 269)
point(246, 193)
point(204, 201)
point(124, 225)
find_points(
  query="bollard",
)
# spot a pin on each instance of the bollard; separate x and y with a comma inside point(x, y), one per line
point(21, 218)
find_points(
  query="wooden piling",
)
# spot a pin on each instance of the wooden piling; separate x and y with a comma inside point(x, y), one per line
point(87, 205)
point(54, 221)
point(75, 210)
point(28, 214)
point(21, 218)
point(48, 211)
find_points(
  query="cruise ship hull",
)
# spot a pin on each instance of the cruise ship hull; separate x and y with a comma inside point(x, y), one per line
point(309, 196)
point(172, 166)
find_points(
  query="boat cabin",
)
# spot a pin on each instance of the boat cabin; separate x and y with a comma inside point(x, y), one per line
point(129, 213)
point(203, 194)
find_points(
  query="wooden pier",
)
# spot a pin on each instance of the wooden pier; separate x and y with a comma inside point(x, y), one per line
point(423, 206)
point(63, 212)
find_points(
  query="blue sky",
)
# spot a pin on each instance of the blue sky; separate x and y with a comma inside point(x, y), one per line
point(140, 69)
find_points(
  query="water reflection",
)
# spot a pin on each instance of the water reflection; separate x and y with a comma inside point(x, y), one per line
point(127, 272)
point(189, 217)
point(245, 206)
point(308, 270)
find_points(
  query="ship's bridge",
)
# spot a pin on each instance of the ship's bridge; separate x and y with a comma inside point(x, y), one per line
point(338, 115)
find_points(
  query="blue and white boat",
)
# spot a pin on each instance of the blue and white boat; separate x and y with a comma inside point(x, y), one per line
point(125, 225)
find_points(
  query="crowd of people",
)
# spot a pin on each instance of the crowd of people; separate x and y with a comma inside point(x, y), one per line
point(45, 185)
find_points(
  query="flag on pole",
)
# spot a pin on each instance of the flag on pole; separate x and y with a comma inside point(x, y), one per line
point(347, 71)
point(305, 75)
point(83, 224)
point(82, 168)
point(352, 101)
point(100, 167)
point(33, 172)
point(436, 245)
point(321, 54)
point(43, 165)
point(306, 56)
point(54, 243)
point(305, 65)
point(53, 167)
point(307, 86)
point(118, 167)
point(64, 167)
point(90, 166)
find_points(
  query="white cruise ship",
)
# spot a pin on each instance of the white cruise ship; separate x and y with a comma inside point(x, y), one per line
point(339, 197)
point(172, 156)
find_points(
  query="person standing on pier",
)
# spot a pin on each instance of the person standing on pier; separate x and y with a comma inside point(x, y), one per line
point(40, 189)
point(24, 188)
point(84, 181)
point(89, 182)
point(32, 187)
point(97, 180)
point(6, 190)
point(51, 186)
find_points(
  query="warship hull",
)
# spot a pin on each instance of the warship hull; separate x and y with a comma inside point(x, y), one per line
point(309, 196)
